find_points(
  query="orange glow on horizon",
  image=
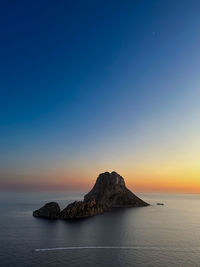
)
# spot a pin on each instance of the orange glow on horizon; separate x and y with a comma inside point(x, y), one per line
point(165, 183)
point(146, 181)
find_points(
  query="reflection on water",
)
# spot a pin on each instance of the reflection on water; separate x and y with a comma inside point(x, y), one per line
point(166, 235)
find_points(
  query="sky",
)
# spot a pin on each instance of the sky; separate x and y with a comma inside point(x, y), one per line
point(94, 86)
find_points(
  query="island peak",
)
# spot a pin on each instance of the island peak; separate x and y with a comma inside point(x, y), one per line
point(108, 192)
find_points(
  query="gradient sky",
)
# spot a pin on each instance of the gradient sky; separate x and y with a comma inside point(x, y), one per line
point(94, 86)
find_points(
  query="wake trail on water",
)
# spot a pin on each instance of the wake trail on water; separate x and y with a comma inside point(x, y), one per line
point(171, 249)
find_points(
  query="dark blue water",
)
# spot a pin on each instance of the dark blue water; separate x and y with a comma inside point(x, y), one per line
point(152, 236)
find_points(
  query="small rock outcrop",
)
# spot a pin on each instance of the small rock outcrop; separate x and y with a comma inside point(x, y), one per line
point(51, 211)
point(108, 192)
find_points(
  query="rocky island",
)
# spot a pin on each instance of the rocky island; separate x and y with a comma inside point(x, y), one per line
point(108, 192)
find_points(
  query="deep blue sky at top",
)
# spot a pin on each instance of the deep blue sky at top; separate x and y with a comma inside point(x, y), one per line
point(75, 72)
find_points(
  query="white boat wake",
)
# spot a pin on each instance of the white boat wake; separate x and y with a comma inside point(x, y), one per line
point(175, 249)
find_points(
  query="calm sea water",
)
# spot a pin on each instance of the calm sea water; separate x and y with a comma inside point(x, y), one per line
point(166, 235)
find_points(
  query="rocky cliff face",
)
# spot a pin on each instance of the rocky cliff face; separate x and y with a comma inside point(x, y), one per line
point(108, 192)
point(82, 209)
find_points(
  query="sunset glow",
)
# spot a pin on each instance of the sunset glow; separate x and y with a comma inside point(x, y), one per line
point(110, 87)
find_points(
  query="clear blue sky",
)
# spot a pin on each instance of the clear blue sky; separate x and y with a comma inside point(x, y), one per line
point(95, 85)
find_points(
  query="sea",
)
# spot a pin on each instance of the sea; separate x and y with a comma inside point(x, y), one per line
point(156, 235)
